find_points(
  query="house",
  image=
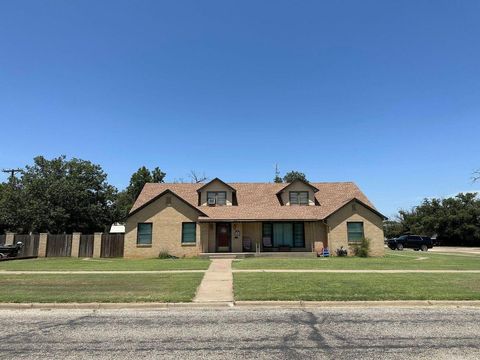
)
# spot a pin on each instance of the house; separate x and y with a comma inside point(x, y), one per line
point(193, 219)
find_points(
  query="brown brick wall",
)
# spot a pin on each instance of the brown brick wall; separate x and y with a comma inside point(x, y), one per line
point(166, 230)
point(372, 226)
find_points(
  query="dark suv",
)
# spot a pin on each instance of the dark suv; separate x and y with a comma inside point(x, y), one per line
point(415, 242)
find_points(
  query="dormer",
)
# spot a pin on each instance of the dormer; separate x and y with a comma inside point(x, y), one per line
point(298, 193)
point(216, 193)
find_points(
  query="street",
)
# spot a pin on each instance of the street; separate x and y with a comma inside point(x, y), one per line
point(330, 333)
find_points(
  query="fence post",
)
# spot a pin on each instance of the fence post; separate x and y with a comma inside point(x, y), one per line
point(75, 244)
point(9, 238)
point(42, 245)
point(97, 244)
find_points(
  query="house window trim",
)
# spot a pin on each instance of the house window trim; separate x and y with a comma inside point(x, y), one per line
point(189, 243)
point(138, 235)
point(216, 193)
point(298, 197)
point(348, 232)
point(293, 233)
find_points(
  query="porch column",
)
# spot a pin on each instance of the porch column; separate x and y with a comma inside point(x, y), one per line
point(42, 245)
point(75, 244)
point(9, 238)
point(97, 244)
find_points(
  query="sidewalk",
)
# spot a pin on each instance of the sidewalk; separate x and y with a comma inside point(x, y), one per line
point(217, 284)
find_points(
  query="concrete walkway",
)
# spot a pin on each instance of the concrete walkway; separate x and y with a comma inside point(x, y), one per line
point(217, 284)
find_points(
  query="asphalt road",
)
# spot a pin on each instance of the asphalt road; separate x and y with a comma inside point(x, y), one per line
point(332, 333)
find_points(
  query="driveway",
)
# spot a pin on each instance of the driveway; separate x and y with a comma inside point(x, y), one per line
point(329, 333)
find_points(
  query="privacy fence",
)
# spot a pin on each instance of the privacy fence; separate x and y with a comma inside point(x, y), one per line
point(67, 245)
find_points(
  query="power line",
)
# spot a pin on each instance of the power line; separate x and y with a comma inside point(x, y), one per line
point(11, 171)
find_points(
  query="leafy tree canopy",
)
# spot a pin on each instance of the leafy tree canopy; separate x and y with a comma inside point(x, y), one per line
point(291, 176)
point(455, 220)
point(56, 196)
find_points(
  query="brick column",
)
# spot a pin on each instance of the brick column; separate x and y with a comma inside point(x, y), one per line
point(75, 244)
point(42, 245)
point(97, 244)
point(9, 238)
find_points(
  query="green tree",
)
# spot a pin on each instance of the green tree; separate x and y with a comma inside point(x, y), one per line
point(291, 176)
point(56, 196)
point(126, 198)
point(455, 220)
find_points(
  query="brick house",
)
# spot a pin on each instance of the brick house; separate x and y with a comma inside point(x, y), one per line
point(194, 219)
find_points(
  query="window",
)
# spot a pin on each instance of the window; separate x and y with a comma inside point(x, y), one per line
point(284, 234)
point(298, 197)
point(355, 231)
point(219, 196)
point(189, 232)
point(144, 234)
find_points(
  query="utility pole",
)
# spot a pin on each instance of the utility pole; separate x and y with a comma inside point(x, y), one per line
point(12, 172)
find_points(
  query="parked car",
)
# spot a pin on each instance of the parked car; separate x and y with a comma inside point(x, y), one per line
point(10, 250)
point(415, 242)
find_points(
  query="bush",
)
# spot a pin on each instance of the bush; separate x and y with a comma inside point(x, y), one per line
point(165, 255)
point(363, 249)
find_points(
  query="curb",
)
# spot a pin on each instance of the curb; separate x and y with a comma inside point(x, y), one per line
point(240, 304)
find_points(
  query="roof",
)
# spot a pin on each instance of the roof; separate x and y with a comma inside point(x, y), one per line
point(212, 181)
point(259, 201)
point(298, 180)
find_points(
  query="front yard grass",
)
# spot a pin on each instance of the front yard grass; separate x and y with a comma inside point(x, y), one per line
point(355, 287)
point(110, 264)
point(393, 260)
point(99, 287)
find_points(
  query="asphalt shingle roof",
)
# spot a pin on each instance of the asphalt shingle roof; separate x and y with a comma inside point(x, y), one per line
point(258, 201)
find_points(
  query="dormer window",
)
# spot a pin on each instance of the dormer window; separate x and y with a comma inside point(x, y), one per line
point(298, 197)
point(216, 198)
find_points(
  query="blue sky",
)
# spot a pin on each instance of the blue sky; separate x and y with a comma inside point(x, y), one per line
point(384, 93)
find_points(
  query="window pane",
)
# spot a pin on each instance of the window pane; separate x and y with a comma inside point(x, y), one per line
point(267, 234)
point(189, 232)
point(299, 237)
point(144, 234)
point(355, 231)
point(303, 198)
point(210, 195)
point(283, 234)
point(288, 234)
point(293, 197)
point(221, 198)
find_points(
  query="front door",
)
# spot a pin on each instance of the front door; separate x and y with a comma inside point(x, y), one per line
point(223, 237)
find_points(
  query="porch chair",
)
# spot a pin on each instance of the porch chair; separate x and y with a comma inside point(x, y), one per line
point(324, 252)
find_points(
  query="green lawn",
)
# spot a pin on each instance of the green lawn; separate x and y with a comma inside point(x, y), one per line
point(99, 288)
point(72, 264)
point(355, 287)
point(391, 261)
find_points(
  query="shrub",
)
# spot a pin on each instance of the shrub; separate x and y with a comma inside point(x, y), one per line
point(362, 249)
point(165, 255)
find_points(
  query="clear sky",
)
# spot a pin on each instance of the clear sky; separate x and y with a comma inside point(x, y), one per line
point(384, 93)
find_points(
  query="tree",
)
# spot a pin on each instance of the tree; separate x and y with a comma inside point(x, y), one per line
point(454, 220)
point(277, 178)
point(126, 198)
point(196, 178)
point(58, 196)
point(291, 176)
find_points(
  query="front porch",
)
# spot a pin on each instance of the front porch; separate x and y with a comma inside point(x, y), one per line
point(243, 255)
point(267, 238)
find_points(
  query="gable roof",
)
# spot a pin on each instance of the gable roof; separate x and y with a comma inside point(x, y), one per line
point(372, 209)
point(157, 196)
point(259, 201)
point(216, 179)
point(298, 180)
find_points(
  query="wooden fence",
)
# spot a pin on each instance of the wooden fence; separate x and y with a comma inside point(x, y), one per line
point(30, 244)
point(86, 246)
point(59, 245)
point(112, 245)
